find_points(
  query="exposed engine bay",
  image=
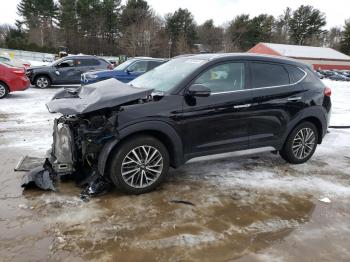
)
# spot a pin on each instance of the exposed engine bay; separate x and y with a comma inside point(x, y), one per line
point(89, 121)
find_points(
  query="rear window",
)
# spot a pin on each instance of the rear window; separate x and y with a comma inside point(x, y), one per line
point(295, 73)
point(266, 75)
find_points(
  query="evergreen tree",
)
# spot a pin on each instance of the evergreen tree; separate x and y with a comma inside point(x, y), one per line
point(210, 36)
point(181, 26)
point(345, 40)
point(135, 12)
point(306, 24)
point(68, 23)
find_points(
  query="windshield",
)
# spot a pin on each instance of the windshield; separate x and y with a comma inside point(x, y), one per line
point(168, 75)
point(124, 65)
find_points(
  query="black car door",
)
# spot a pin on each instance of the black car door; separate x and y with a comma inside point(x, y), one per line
point(276, 97)
point(65, 71)
point(217, 123)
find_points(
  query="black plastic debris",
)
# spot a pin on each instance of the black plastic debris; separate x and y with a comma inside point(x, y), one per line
point(44, 177)
point(96, 187)
point(39, 177)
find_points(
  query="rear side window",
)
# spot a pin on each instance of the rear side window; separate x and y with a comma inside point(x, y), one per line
point(266, 75)
point(295, 73)
point(138, 67)
point(88, 62)
point(153, 64)
point(223, 78)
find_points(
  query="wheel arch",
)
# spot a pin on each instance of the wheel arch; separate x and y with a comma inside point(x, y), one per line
point(6, 85)
point(42, 74)
point(163, 131)
point(7, 88)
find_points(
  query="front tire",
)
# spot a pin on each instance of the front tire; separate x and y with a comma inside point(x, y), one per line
point(3, 90)
point(139, 165)
point(300, 144)
point(42, 82)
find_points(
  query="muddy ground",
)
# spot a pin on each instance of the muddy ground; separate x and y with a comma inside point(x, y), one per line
point(244, 207)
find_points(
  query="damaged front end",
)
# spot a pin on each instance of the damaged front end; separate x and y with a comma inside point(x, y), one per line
point(89, 121)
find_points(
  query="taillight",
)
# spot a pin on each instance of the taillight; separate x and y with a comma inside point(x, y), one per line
point(327, 91)
point(19, 72)
point(110, 67)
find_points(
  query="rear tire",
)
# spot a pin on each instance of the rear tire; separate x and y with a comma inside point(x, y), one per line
point(300, 144)
point(4, 91)
point(139, 165)
point(42, 82)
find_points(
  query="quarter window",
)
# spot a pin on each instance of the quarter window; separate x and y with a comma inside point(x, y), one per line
point(265, 75)
point(295, 73)
point(223, 78)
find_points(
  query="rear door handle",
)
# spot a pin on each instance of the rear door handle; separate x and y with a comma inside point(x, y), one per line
point(294, 98)
point(241, 106)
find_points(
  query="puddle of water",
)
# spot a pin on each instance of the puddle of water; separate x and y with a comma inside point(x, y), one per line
point(221, 225)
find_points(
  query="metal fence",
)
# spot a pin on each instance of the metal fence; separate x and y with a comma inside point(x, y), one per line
point(27, 55)
point(37, 56)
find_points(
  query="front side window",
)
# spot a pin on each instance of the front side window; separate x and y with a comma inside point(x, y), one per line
point(223, 78)
point(138, 67)
point(66, 63)
point(266, 75)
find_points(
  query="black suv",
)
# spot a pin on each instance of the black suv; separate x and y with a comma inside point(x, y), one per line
point(189, 107)
point(66, 70)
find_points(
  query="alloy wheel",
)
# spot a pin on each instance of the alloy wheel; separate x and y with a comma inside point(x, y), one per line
point(142, 166)
point(2, 91)
point(42, 82)
point(303, 143)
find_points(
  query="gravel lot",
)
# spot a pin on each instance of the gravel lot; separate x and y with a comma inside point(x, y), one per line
point(245, 207)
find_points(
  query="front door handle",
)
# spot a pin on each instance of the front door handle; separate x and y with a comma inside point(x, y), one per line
point(294, 98)
point(241, 106)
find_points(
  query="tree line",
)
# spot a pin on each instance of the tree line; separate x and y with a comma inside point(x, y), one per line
point(106, 27)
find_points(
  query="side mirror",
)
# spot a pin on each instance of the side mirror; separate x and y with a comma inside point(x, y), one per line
point(128, 71)
point(199, 90)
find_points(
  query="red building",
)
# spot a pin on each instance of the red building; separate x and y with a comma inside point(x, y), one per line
point(318, 57)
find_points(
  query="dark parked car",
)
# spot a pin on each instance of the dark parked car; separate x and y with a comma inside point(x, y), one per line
point(124, 72)
point(328, 73)
point(66, 70)
point(186, 108)
point(338, 77)
point(320, 76)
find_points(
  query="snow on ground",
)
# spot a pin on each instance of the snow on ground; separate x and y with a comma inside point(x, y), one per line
point(25, 121)
point(340, 102)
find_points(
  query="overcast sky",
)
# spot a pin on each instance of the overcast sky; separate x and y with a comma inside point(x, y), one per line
point(222, 11)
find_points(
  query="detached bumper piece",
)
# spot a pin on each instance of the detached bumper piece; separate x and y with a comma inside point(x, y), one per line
point(42, 177)
point(46, 178)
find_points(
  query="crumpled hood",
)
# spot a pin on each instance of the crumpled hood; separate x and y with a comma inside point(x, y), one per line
point(104, 94)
